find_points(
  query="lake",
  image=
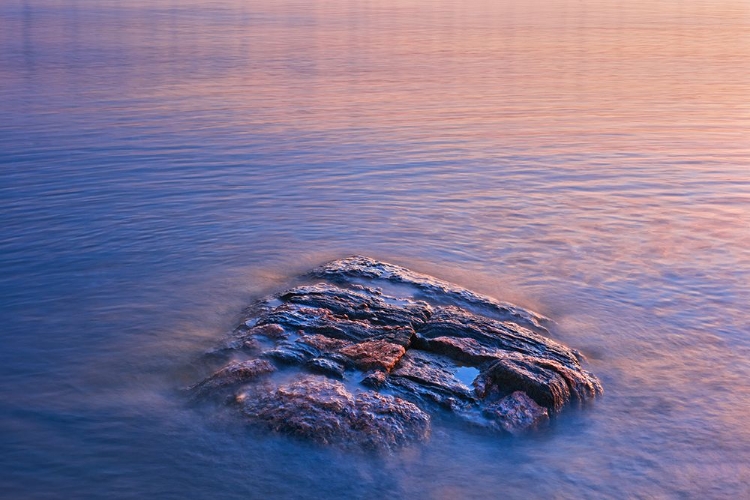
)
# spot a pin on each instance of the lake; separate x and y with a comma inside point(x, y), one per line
point(164, 163)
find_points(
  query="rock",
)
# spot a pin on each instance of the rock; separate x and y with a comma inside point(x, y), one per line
point(516, 413)
point(326, 412)
point(547, 382)
point(361, 304)
point(292, 352)
point(234, 373)
point(425, 376)
point(357, 267)
point(490, 333)
point(270, 330)
point(317, 320)
point(323, 343)
point(440, 348)
point(326, 366)
point(375, 379)
point(465, 350)
point(377, 354)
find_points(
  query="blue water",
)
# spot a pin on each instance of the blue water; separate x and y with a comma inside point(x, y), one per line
point(163, 163)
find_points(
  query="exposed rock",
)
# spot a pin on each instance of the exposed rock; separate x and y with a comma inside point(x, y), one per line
point(375, 379)
point(437, 346)
point(236, 372)
point(325, 411)
point(503, 335)
point(327, 366)
point(323, 343)
point(378, 354)
point(430, 377)
point(270, 330)
point(547, 382)
point(516, 413)
point(465, 350)
point(317, 320)
point(357, 267)
point(292, 352)
point(362, 304)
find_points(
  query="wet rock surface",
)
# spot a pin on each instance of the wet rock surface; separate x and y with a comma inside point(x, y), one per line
point(324, 411)
point(366, 352)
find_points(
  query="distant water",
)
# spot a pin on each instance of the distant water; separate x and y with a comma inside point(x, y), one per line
point(164, 162)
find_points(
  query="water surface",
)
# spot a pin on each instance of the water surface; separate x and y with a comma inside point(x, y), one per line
point(164, 162)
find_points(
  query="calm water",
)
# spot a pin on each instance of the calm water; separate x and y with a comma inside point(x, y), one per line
point(164, 162)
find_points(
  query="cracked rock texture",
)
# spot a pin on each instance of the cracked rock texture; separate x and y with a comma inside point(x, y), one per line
point(366, 352)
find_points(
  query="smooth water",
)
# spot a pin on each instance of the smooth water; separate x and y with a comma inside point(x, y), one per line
point(165, 162)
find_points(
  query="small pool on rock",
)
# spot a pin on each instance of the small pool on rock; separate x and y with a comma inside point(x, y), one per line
point(466, 374)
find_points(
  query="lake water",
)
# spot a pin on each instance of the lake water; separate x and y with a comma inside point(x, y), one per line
point(165, 162)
